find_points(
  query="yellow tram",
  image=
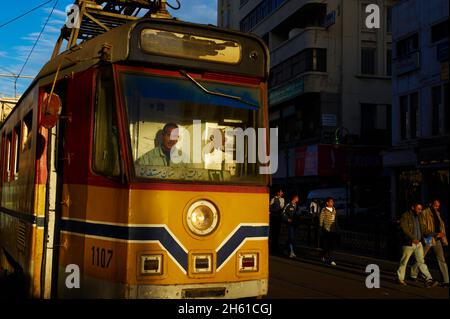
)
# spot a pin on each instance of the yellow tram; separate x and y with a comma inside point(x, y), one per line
point(92, 205)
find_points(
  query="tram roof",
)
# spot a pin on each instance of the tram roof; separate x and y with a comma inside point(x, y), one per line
point(122, 44)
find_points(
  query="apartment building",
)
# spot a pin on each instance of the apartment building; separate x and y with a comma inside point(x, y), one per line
point(330, 88)
point(419, 158)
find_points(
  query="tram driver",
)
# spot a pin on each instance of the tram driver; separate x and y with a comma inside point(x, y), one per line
point(162, 155)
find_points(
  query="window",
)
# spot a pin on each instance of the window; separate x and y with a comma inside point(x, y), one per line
point(375, 124)
point(368, 61)
point(320, 60)
point(368, 118)
point(440, 110)
point(264, 9)
point(446, 109)
point(17, 148)
point(9, 155)
point(414, 114)
point(389, 62)
point(106, 141)
point(190, 46)
point(305, 61)
point(165, 140)
point(409, 116)
point(389, 19)
point(408, 45)
point(27, 131)
point(436, 106)
point(403, 117)
point(2, 159)
point(439, 31)
point(243, 2)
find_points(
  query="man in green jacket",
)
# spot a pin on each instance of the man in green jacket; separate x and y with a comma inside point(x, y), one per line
point(412, 244)
point(165, 153)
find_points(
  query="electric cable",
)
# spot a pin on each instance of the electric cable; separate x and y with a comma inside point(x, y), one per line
point(24, 14)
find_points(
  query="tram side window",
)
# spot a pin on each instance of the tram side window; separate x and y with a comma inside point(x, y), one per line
point(2, 157)
point(106, 142)
point(27, 130)
point(8, 156)
point(18, 142)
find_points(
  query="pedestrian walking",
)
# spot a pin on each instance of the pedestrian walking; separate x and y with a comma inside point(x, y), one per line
point(314, 207)
point(435, 239)
point(329, 229)
point(276, 209)
point(314, 210)
point(412, 231)
point(290, 216)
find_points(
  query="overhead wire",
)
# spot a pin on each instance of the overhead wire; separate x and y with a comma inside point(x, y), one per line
point(34, 45)
point(24, 14)
point(173, 7)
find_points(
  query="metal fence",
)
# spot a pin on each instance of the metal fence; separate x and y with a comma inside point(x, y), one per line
point(378, 239)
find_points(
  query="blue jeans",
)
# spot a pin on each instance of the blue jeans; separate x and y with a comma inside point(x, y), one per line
point(291, 236)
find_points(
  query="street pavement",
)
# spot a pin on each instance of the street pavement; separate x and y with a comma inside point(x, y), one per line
point(309, 278)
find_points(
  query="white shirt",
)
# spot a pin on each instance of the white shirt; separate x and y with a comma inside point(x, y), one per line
point(281, 201)
point(333, 216)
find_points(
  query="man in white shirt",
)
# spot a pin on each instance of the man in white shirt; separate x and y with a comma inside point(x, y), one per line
point(329, 228)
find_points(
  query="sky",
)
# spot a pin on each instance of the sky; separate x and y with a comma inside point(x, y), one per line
point(18, 37)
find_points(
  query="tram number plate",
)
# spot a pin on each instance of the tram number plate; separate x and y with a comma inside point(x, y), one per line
point(101, 257)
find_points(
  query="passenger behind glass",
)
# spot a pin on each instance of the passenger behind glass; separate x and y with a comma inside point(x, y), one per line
point(163, 154)
point(215, 155)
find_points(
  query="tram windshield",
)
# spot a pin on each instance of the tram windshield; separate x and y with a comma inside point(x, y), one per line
point(197, 131)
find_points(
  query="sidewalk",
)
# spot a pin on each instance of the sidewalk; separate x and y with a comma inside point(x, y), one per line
point(358, 262)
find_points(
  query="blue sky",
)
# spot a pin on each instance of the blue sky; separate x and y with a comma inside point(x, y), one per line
point(17, 38)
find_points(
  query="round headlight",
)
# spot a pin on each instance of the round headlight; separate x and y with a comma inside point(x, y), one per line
point(202, 218)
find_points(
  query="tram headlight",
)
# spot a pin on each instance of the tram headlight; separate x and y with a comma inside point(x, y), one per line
point(202, 218)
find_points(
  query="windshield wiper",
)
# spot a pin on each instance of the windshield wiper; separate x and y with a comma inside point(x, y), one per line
point(233, 97)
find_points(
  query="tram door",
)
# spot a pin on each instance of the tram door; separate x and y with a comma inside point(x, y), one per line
point(54, 141)
point(67, 158)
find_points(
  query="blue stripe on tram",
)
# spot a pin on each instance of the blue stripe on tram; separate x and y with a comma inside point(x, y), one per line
point(136, 233)
point(236, 240)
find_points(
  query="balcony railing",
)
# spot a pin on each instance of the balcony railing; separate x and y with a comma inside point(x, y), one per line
point(311, 37)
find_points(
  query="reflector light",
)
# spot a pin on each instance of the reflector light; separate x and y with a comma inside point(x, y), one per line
point(248, 262)
point(202, 264)
point(151, 264)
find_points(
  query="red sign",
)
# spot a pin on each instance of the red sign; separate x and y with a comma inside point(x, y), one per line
point(336, 160)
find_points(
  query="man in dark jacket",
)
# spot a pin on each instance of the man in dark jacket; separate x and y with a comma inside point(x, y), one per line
point(435, 239)
point(290, 213)
point(412, 236)
point(276, 209)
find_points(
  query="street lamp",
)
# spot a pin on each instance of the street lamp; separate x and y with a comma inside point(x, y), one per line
point(338, 135)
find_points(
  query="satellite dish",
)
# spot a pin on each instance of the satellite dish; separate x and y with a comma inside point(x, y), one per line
point(51, 110)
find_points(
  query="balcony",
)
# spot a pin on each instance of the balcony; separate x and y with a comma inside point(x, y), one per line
point(311, 37)
point(310, 82)
point(293, 14)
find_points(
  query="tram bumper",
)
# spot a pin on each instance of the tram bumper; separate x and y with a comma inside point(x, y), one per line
point(230, 290)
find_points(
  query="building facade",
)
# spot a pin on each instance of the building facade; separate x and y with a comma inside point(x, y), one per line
point(419, 158)
point(330, 89)
point(6, 106)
